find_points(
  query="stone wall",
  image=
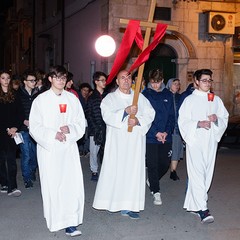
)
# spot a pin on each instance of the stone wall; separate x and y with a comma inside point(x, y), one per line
point(211, 52)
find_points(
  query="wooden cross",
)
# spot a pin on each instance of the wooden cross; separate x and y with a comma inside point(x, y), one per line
point(149, 25)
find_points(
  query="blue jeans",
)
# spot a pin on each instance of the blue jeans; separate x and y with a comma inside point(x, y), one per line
point(28, 157)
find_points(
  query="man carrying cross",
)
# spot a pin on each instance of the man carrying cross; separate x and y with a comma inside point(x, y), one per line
point(121, 184)
point(128, 116)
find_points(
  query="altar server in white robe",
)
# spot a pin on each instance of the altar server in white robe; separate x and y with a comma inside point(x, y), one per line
point(202, 122)
point(121, 184)
point(56, 130)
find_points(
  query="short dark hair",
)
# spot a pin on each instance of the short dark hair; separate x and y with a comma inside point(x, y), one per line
point(200, 72)
point(57, 71)
point(156, 75)
point(85, 85)
point(28, 73)
point(97, 75)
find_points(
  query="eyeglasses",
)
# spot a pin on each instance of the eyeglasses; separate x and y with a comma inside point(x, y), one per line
point(64, 79)
point(205, 80)
point(32, 81)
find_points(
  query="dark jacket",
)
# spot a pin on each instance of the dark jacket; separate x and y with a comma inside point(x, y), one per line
point(186, 93)
point(176, 100)
point(11, 116)
point(96, 125)
point(164, 121)
point(26, 100)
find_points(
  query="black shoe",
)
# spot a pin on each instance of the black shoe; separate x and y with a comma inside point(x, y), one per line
point(94, 177)
point(4, 189)
point(33, 177)
point(28, 184)
point(205, 216)
point(174, 176)
point(72, 231)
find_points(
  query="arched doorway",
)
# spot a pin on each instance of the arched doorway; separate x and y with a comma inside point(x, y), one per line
point(163, 57)
point(175, 55)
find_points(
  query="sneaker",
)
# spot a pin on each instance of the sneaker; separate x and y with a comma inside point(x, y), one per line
point(157, 198)
point(132, 215)
point(28, 184)
point(195, 213)
point(4, 189)
point(15, 193)
point(72, 231)
point(205, 216)
point(94, 177)
point(174, 176)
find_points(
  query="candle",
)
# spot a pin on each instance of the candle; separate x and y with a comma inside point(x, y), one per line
point(210, 97)
point(63, 108)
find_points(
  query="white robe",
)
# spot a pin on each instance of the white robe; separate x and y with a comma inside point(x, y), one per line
point(121, 184)
point(59, 162)
point(201, 145)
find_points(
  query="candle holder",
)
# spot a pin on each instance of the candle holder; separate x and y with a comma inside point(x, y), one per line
point(63, 110)
point(210, 100)
point(63, 107)
point(210, 96)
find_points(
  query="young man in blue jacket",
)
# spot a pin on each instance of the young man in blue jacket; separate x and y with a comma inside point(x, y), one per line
point(159, 136)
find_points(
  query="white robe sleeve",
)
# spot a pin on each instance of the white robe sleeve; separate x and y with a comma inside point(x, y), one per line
point(43, 135)
point(44, 124)
point(222, 115)
point(192, 111)
point(187, 126)
point(113, 108)
point(146, 115)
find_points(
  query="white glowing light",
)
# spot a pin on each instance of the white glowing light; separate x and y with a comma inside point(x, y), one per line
point(105, 46)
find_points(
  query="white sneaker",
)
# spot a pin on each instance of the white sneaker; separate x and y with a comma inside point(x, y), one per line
point(157, 198)
point(15, 193)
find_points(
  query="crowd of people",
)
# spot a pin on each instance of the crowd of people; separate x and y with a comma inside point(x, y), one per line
point(57, 123)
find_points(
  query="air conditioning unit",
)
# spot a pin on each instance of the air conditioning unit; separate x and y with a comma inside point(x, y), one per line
point(221, 23)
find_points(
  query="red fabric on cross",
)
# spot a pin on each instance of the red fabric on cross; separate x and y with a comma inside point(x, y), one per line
point(143, 57)
point(131, 32)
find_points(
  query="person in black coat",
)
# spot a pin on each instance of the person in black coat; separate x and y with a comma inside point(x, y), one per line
point(96, 125)
point(84, 92)
point(10, 122)
point(27, 93)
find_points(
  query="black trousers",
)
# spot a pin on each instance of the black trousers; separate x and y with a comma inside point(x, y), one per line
point(8, 168)
point(158, 158)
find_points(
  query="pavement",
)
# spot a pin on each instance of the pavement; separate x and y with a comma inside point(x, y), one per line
point(22, 217)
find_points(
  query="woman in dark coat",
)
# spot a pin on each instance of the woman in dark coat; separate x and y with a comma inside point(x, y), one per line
point(10, 121)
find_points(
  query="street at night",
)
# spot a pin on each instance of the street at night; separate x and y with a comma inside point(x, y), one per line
point(22, 217)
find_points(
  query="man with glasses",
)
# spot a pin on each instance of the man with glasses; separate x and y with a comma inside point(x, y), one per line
point(202, 122)
point(121, 184)
point(57, 122)
point(96, 125)
point(28, 93)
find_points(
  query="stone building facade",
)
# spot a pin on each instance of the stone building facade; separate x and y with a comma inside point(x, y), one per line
point(65, 31)
point(194, 47)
